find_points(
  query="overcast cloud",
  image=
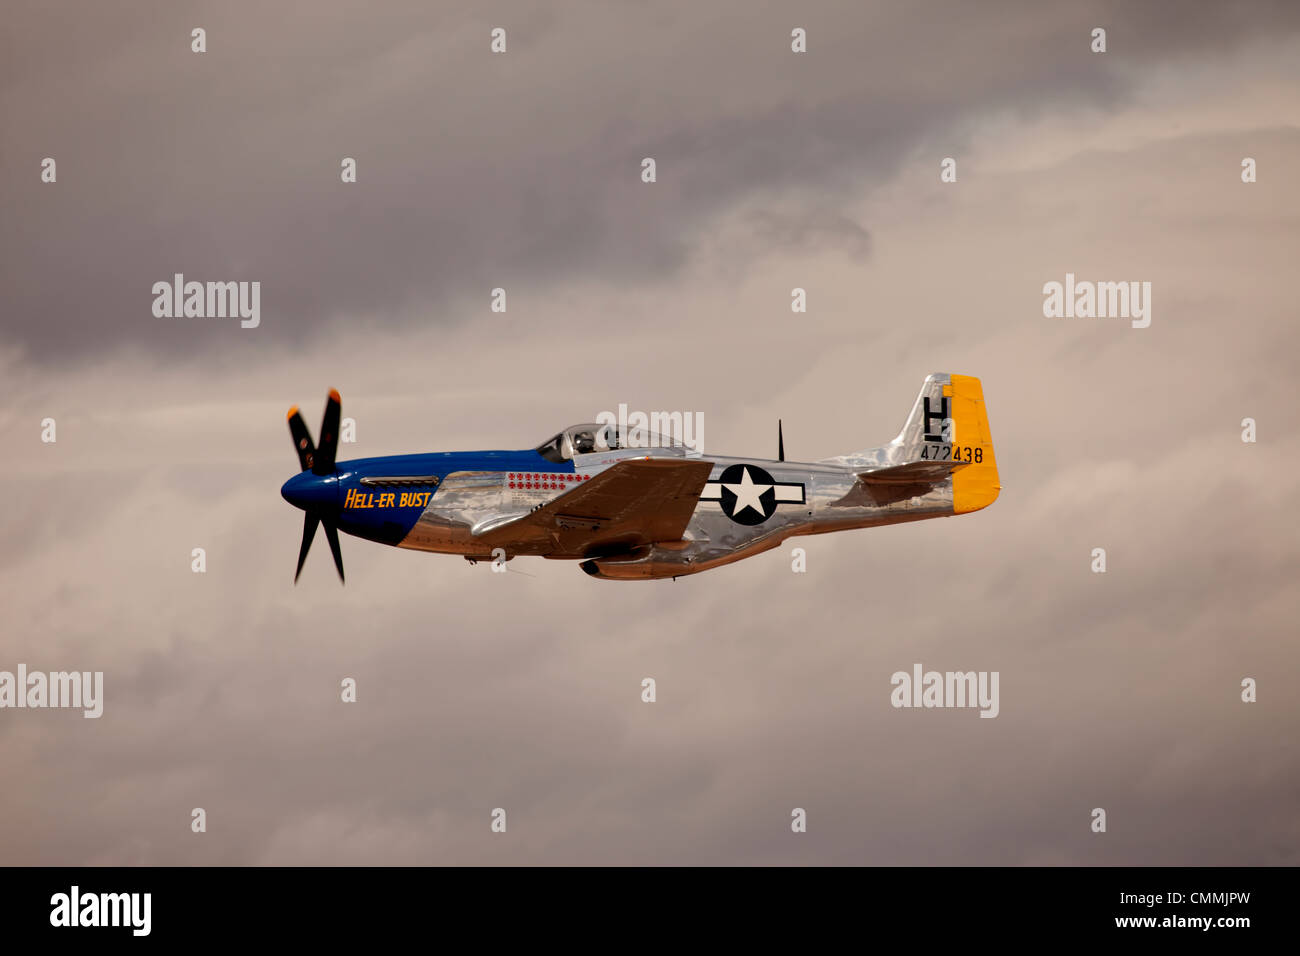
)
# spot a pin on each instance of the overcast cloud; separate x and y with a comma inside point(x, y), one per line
point(479, 690)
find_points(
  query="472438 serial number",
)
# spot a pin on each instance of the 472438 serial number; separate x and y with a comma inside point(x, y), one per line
point(972, 453)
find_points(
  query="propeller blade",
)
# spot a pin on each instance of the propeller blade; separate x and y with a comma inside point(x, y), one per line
point(329, 435)
point(332, 535)
point(780, 442)
point(308, 532)
point(301, 439)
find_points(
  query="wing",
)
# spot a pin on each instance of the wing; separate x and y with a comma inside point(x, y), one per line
point(900, 482)
point(635, 502)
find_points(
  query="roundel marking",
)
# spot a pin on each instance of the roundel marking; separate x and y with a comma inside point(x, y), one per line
point(748, 494)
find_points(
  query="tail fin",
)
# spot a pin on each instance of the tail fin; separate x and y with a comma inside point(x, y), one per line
point(949, 427)
point(949, 421)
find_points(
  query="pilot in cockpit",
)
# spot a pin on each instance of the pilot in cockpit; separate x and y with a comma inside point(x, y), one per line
point(584, 443)
point(608, 440)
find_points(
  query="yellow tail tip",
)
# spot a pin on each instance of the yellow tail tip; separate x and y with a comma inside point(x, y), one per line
point(977, 485)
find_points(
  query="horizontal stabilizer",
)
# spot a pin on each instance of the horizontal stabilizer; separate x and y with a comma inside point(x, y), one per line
point(900, 482)
point(913, 473)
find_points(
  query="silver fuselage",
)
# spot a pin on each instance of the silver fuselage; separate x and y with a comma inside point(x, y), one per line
point(833, 500)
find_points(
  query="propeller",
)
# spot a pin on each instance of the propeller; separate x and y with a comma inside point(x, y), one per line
point(309, 523)
point(301, 439)
point(317, 499)
point(329, 435)
point(780, 442)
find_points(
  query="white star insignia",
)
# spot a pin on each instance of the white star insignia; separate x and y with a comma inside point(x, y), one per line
point(747, 493)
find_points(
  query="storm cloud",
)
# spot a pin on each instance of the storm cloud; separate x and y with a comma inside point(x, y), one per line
point(775, 170)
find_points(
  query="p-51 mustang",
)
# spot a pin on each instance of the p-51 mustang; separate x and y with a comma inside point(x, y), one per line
point(635, 507)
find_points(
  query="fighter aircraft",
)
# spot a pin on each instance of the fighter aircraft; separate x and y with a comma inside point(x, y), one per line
point(637, 506)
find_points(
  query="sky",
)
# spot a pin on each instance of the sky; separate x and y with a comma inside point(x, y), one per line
point(775, 170)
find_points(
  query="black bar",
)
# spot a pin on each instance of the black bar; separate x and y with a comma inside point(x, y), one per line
point(980, 906)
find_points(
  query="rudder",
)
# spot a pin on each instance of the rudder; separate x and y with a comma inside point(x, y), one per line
point(976, 486)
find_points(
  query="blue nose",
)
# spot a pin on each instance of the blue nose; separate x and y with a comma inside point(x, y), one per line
point(312, 492)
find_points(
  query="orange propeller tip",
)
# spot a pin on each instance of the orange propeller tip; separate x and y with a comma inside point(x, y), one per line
point(334, 394)
point(292, 412)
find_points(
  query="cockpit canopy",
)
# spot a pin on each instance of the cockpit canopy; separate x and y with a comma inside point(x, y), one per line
point(594, 438)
